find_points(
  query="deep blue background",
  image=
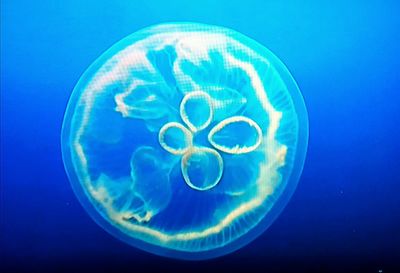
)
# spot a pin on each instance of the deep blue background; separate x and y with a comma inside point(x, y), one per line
point(345, 57)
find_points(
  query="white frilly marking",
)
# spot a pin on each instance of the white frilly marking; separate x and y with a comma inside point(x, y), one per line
point(237, 149)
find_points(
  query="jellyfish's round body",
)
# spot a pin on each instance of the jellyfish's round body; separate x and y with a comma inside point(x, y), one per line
point(185, 140)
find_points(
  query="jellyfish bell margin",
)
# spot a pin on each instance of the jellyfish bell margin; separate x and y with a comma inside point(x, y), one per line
point(185, 140)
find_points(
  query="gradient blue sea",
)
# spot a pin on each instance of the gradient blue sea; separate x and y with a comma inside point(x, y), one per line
point(345, 57)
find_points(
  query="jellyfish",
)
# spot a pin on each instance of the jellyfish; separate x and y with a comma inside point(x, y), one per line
point(185, 140)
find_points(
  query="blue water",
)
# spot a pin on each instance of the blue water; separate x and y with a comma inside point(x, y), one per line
point(344, 57)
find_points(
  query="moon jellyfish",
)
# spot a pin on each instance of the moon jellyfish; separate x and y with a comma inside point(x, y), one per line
point(185, 140)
